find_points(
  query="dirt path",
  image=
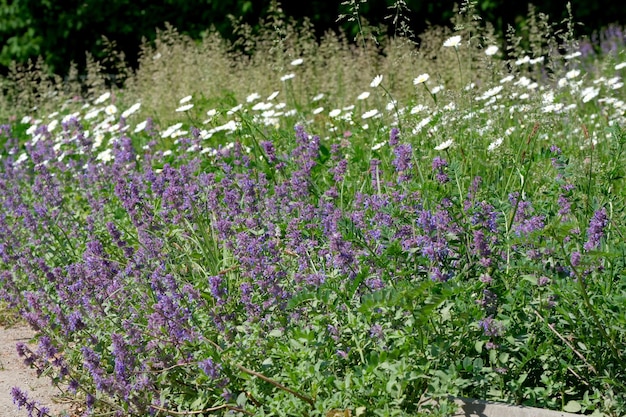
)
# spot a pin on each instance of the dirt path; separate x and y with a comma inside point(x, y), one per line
point(13, 373)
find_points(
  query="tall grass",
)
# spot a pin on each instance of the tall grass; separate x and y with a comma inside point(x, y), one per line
point(296, 226)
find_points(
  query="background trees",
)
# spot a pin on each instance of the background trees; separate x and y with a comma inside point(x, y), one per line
point(61, 31)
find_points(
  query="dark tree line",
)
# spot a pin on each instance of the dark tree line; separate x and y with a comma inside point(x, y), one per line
point(62, 31)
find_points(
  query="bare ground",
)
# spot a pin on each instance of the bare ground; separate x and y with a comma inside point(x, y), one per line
point(14, 373)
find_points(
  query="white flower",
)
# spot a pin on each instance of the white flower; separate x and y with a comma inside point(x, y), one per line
point(185, 99)
point(287, 77)
point(141, 126)
point(105, 156)
point(211, 112)
point(370, 113)
point(318, 97)
point(589, 94)
point(252, 97)
point(185, 107)
point(334, 113)
point(572, 74)
point(104, 97)
point(495, 144)
point(521, 61)
point(491, 50)
point(110, 109)
point(234, 109)
point(273, 95)
point(376, 81)
point(536, 60)
point(421, 79)
point(453, 42)
point(620, 66)
point(507, 79)
point(297, 62)
point(444, 145)
point(573, 55)
point(131, 110)
point(318, 110)
point(437, 89)
point(363, 95)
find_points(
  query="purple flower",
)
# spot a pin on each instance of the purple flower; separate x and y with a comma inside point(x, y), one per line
point(491, 327)
point(210, 368)
point(575, 258)
point(403, 161)
point(595, 232)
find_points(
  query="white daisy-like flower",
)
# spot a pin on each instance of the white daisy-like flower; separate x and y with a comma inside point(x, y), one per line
point(378, 145)
point(185, 99)
point(185, 107)
point(110, 109)
point(131, 110)
point(273, 95)
point(562, 82)
point(453, 42)
point(444, 145)
point(252, 97)
point(297, 62)
point(318, 110)
point(376, 81)
point(104, 97)
point(589, 94)
point(261, 106)
point(140, 126)
point(287, 77)
point(437, 89)
point(369, 114)
point(421, 79)
point(495, 144)
point(491, 50)
point(507, 79)
point(234, 109)
point(105, 156)
point(572, 74)
point(522, 61)
point(537, 60)
point(363, 95)
point(211, 112)
point(318, 97)
point(620, 66)
point(52, 125)
point(334, 113)
point(26, 120)
point(573, 55)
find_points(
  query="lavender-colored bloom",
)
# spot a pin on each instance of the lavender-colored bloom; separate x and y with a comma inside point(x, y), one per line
point(393, 137)
point(210, 368)
point(575, 258)
point(491, 327)
point(595, 232)
point(403, 161)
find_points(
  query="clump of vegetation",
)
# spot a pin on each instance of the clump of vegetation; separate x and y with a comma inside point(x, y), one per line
point(288, 226)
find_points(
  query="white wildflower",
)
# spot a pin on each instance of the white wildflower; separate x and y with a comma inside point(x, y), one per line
point(318, 97)
point(287, 77)
point(363, 95)
point(453, 42)
point(573, 55)
point(421, 79)
point(297, 62)
point(369, 114)
point(376, 81)
point(620, 66)
point(334, 113)
point(491, 50)
point(444, 145)
point(252, 97)
point(495, 144)
point(104, 97)
point(185, 107)
point(140, 126)
point(110, 109)
point(131, 110)
point(185, 99)
point(273, 95)
point(317, 110)
point(572, 74)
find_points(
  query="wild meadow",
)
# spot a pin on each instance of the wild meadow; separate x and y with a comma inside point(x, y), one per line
point(289, 226)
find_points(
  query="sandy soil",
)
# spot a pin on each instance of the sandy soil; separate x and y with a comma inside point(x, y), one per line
point(13, 373)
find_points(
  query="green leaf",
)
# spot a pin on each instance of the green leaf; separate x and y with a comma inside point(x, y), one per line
point(572, 407)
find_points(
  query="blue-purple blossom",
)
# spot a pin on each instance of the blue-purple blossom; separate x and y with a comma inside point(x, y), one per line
point(595, 232)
